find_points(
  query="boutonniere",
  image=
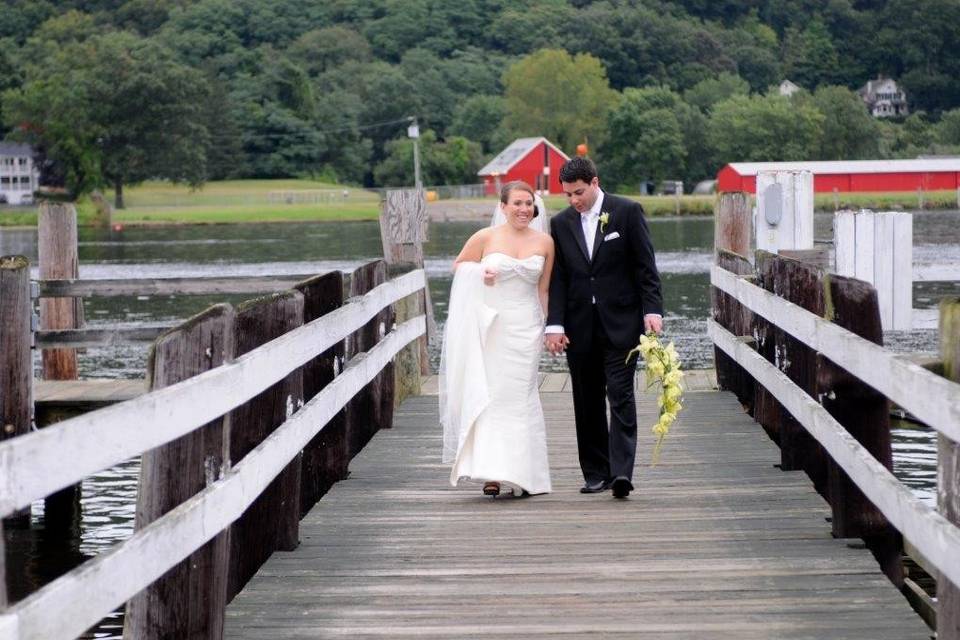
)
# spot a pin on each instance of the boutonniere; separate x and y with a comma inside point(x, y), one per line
point(604, 219)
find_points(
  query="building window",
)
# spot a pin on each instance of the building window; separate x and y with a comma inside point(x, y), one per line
point(5, 182)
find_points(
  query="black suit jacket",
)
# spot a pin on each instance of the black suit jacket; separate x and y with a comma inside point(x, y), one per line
point(622, 275)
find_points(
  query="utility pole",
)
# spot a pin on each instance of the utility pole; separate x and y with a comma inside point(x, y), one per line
point(413, 131)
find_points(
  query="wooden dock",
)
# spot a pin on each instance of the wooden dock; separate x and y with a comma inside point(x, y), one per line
point(717, 542)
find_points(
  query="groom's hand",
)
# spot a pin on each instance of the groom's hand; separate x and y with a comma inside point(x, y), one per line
point(556, 342)
point(653, 322)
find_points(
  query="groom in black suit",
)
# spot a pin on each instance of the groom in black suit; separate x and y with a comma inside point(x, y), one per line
point(604, 292)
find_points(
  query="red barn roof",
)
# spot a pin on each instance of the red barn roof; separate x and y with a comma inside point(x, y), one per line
point(533, 160)
point(852, 175)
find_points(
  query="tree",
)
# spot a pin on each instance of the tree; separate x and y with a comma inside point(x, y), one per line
point(764, 129)
point(454, 161)
point(324, 49)
point(707, 93)
point(114, 109)
point(848, 130)
point(810, 59)
point(478, 118)
point(654, 135)
point(948, 129)
point(562, 97)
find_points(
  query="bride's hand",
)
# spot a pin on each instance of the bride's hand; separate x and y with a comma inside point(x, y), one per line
point(489, 276)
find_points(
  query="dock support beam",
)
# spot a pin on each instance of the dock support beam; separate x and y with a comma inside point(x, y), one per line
point(58, 256)
point(948, 471)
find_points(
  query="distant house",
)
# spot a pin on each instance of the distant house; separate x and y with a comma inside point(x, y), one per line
point(787, 88)
point(536, 161)
point(884, 99)
point(18, 175)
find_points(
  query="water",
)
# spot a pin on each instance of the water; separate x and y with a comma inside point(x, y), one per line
point(684, 247)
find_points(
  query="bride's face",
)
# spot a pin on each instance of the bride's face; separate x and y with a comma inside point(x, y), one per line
point(519, 208)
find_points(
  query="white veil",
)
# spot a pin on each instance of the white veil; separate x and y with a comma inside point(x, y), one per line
point(539, 223)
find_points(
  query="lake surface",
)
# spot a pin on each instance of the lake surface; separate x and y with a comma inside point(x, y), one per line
point(684, 249)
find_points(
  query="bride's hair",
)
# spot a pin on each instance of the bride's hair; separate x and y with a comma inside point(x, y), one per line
point(517, 185)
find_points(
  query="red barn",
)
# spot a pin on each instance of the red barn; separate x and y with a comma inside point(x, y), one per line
point(852, 175)
point(536, 161)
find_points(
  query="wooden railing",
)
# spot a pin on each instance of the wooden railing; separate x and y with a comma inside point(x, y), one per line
point(246, 403)
point(801, 349)
point(105, 336)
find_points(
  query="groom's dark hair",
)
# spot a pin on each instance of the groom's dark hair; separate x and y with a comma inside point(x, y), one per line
point(578, 168)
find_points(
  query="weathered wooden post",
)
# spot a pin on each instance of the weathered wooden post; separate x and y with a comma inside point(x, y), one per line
point(325, 458)
point(737, 319)
point(784, 210)
point(403, 230)
point(948, 471)
point(189, 601)
point(733, 221)
point(407, 363)
point(878, 248)
point(799, 283)
point(16, 361)
point(372, 408)
point(732, 225)
point(272, 522)
point(58, 257)
point(865, 414)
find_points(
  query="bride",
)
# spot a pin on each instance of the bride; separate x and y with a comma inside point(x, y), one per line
point(493, 427)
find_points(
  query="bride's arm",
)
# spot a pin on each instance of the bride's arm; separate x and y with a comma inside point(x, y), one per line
point(473, 249)
point(543, 285)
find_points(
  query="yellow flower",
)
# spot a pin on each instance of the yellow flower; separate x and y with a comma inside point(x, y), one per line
point(663, 368)
point(604, 219)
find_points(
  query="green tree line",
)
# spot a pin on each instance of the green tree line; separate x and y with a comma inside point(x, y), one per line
point(112, 92)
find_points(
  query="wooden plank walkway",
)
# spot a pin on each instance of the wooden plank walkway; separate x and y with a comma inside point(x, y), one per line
point(717, 543)
point(89, 394)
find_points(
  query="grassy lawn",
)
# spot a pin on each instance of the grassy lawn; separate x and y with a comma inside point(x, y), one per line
point(248, 201)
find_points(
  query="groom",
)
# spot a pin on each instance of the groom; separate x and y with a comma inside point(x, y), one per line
point(604, 292)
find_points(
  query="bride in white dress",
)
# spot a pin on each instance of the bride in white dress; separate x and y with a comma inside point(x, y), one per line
point(493, 427)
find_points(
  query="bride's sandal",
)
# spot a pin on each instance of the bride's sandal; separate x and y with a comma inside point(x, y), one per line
point(491, 489)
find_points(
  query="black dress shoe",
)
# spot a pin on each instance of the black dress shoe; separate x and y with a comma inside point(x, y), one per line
point(621, 487)
point(595, 487)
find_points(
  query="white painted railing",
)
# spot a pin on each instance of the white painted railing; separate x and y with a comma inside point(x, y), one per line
point(933, 399)
point(39, 463)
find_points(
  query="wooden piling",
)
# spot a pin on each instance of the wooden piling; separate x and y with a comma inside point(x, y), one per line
point(58, 258)
point(766, 410)
point(272, 521)
point(403, 230)
point(325, 459)
point(372, 408)
point(800, 283)
point(948, 471)
point(189, 600)
point(865, 414)
point(16, 361)
point(733, 223)
point(737, 319)
point(407, 365)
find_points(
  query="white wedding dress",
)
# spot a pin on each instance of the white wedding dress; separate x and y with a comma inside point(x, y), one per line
point(490, 404)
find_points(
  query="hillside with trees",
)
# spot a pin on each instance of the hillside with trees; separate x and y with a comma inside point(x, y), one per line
point(113, 92)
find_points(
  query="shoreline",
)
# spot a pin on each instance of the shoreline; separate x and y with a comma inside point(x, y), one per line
point(480, 209)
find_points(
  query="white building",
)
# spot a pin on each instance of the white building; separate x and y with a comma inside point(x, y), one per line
point(884, 99)
point(787, 88)
point(19, 177)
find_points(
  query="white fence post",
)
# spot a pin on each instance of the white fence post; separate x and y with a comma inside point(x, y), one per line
point(784, 215)
point(878, 248)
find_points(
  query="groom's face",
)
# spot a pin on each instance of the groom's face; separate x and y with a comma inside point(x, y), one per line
point(581, 195)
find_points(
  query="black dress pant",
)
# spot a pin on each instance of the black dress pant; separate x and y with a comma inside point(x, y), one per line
point(600, 375)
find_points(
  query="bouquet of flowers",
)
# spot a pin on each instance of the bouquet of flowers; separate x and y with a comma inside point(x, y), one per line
point(663, 368)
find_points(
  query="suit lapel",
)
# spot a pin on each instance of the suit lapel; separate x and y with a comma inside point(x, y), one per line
point(577, 229)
